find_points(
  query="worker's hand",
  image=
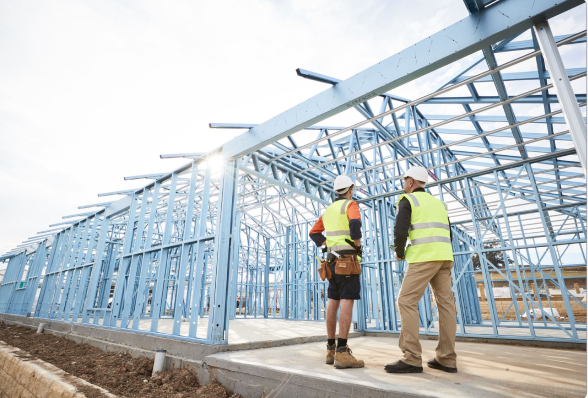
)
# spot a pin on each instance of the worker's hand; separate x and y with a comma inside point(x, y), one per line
point(398, 258)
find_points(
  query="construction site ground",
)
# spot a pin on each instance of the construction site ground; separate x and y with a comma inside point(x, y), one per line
point(277, 358)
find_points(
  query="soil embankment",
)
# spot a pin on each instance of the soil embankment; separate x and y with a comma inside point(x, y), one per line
point(120, 374)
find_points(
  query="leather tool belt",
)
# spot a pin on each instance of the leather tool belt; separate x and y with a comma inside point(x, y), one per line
point(344, 265)
point(347, 265)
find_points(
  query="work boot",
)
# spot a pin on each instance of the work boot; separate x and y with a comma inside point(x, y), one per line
point(401, 367)
point(344, 359)
point(436, 365)
point(331, 354)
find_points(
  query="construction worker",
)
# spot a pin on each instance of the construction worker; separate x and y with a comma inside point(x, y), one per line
point(342, 223)
point(423, 219)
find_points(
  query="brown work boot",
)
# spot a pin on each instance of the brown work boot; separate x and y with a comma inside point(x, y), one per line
point(331, 354)
point(344, 359)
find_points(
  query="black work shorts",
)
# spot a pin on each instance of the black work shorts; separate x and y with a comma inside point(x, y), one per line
point(344, 287)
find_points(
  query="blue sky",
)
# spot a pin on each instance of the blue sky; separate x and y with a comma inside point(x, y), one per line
point(91, 91)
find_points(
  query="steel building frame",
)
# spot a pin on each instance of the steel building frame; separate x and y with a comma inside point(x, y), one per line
point(205, 244)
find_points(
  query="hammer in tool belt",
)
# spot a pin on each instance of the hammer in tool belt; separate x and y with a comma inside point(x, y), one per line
point(358, 250)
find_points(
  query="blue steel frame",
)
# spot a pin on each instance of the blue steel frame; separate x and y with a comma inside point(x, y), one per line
point(200, 246)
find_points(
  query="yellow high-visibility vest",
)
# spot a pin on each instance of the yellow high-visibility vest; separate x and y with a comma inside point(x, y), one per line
point(336, 226)
point(429, 232)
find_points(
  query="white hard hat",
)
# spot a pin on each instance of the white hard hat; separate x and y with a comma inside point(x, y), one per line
point(342, 182)
point(418, 173)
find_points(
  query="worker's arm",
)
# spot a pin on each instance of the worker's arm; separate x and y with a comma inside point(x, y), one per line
point(403, 214)
point(316, 233)
point(354, 217)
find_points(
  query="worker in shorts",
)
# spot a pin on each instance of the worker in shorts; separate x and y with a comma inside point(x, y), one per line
point(341, 223)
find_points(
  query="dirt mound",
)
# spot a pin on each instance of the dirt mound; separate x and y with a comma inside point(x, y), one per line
point(120, 374)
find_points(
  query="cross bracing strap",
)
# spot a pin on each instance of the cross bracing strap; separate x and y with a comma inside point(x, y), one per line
point(425, 225)
point(430, 239)
point(563, 152)
point(448, 120)
point(471, 138)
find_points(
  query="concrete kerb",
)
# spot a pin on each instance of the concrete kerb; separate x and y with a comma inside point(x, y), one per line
point(251, 380)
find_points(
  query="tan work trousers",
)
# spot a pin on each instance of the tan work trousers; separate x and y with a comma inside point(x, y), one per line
point(418, 275)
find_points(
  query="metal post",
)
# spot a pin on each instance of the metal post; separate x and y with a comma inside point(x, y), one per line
point(96, 269)
point(565, 94)
point(266, 301)
point(224, 244)
point(180, 302)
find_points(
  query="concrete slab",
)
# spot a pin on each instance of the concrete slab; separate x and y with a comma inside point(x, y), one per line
point(249, 330)
point(485, 370)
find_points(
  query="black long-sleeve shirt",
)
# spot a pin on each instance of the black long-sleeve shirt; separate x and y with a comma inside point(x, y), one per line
point(403, 215)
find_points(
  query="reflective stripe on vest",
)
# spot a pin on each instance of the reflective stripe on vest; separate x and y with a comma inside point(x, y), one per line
point(344, 206)
point(429, 232)
point(337, 226)
point(429, 225)
point(337, 233)
point(431, 239)
point(414, 199)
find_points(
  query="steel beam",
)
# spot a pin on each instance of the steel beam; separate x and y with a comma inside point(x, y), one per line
point(566, 96)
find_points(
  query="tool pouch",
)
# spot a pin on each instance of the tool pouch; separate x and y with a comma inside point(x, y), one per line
point(325, 271)
point(347, 266)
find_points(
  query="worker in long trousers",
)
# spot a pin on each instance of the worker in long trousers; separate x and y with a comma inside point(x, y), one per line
point(423, 219)
point(341, 222)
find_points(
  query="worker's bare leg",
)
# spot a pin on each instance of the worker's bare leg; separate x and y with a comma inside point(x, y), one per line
point(332, 308)
point(345, 318)
point(343, 357)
